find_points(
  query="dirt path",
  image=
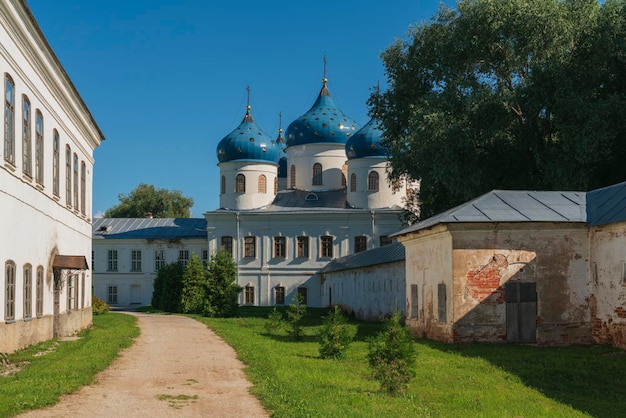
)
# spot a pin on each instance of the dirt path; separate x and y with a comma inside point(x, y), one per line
point(177, 367)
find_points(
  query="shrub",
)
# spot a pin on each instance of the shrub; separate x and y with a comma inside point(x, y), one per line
point(194, 289)
point(392, 356)
point(295, 314)
point(168, 286)
point(274, 322)
point(335, 336)
point(222, 289)
point(98, 306)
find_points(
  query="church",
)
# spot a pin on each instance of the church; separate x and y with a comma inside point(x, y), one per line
point(288, 206)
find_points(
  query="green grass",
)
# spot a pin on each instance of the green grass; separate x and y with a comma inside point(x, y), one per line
point(477, 380)
point(51, 369)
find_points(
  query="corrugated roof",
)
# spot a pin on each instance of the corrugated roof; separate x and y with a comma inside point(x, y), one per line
point(512, 206)
point(381, 255)
point(606, 205)
point(149, 228)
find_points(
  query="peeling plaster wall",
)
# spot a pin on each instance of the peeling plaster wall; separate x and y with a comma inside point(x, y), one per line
point(608, 277)
point(370, 293)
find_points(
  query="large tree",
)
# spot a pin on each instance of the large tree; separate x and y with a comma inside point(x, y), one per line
point(509, 94)
point(146, 199)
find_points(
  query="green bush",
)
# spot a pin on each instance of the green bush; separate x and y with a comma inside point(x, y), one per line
point(335, 336)
point(98, 306)
point(392, 356)
point(275, 322)
point(222, 289)
point(295, 315)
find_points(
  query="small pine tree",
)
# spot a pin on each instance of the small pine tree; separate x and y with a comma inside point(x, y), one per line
point(335, 336)
point(295, 314)
point(222, 291)
point(274, 322)
point(392, 356)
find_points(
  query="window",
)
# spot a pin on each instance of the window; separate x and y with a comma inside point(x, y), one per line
point(75, 181)
point(112, 295)
point(83, 187)
point(240, 183)
point(353, 182)
point(279, 295)
point(112, 260)
point(303, 293)
point(135, 260)
point(28, 291)
point(249, 247)
point(39, 292)
point(280, 244)
point(27, 160)
point(71, 292)
point(303, 247)
point(227, 244)
point(317, 174)
point(223, 185)
point(385, 240)
point(183, 257)
point(205, 258)
point(38, 147)
point(159, 259)
point(82, 290)
point(9, 291)
point(372, 181)
point(262, 184)
point(414, 305)
point(360, 243)
point(275, 186)
point(292, 177)
point(55, 162)
point(248, 295)
point(344, 174)
point(68, 176)
point(9, 119)
point(441, 305)
point(326, 246)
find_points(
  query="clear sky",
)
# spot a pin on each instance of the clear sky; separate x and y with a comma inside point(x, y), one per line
point(166, 79)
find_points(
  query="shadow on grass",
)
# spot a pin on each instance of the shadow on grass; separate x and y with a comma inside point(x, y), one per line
point(589, 378)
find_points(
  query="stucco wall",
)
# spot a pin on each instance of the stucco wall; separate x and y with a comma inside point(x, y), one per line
point(608, 283)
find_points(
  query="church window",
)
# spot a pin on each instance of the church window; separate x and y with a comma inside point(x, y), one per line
point(317, 174)
point(83, 187)
point(326, 246)
point(280, 244)
point(248, 295)
point(68, 176)
point(75, 164)
point(279, 295)
point(292, 177)
point(39, 147)
point(55, 162)
point(9, 119)
point(240, 183)
point(360, 243)
point(39, 292)
point(344, 174)
point(27, 162)
point(227, 244)
point(262, 184)
point(372, 181)
point(28, 291)
point(223, 185)
point(353, 182)
point(249, 247)
point(303, 247)
point(9, 291)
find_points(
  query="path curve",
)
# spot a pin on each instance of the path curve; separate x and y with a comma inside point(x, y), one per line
point(177, 367)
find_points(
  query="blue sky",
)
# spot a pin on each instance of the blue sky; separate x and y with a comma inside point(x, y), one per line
point(166, 80)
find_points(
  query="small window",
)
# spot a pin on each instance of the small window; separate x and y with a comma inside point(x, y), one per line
point(372, 181)
point(353, 182)
point(292, 177)
point(75, 165)
point(135, 262)
point(275, 186)
point(414, 306)
point(262, 184)
point(317, 174)
point(205, 258)
point(280, 244)
point(112, 295)
point(159, 259)
point(39, 147)
point(55, 162)
point(39, 292)
point(249, 244)
point(83, 187)
point(326, 246)
point(303, 247)
point(112, 260)
point(227, 244)
point(223, 185)
point(248, 295)
point(28, 291)
point(279, 295)
point(360, 243)
point(27, 159)
point(68, 176)
point(344, 174)
point(183, 257)
point(9, 120)
point(240, 183)
point(72, 303)
point(442, 305)
point(303, 293)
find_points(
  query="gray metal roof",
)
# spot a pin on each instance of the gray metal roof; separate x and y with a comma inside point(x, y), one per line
point(512, 206)
point(606, 205)
point(381, 255)
point(149, 228)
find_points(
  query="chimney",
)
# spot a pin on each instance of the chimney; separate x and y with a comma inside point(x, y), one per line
point(149, 215)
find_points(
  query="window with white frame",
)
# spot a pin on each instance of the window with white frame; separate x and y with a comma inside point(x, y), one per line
point(262, 186)
point(28, 291)
point(135, 260)
point(372, 181)
point(326, 246)
point(249, 247)
point(159, 259)
point(9, 291)
point(280, 247)
point(39, 292)
point(183, 257)
point(75, 165)
point(9, 119)
point(112, 260)
point(303, 247)
point(27, 148)
point(317, 174)
point(112, 294)
point(71, 292)
point(68, 176)
point(279, 295)
point(55, 162)
point(83, 187)
point(227, 244)
point(240, 183)
point(248, 295)
point(39, 147)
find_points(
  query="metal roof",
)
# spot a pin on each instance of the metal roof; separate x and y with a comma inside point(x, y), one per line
point(381, 255)
point(606, 205)
point(512, 206)
point(149, 228)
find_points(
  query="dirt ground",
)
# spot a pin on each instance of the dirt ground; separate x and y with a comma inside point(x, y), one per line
point(177, 367)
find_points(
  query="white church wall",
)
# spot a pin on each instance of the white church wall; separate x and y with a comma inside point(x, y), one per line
point(332, 157)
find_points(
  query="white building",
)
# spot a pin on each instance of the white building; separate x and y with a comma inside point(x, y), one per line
point(46, 171)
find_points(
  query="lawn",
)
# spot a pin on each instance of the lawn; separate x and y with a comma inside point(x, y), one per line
point(451, 380)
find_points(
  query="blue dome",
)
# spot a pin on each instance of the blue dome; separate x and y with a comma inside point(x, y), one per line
point(366, 142)
point(248, 142)
point(323, 123)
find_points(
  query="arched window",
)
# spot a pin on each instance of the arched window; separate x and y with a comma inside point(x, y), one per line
point(83, 187)
point(372, 181)
point(223, 185)
point(9, 291)
point(27, 160)
point(262, 184)
point(68, 176)
point(240, 183)
point(55, 162)
point(292, 176)
point(39, 147)
point(344, 175)
point(75, 181)
point(275, 186)
point(28, 291)
point(9, 119)
point(317, 174)
point(353, 182)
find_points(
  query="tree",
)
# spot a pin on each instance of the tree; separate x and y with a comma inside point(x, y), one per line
point(295, 314)
point(222, 290)
point(507, 94)
point(335, 336)
point(168, 285)
point(195, 284)
point(144, 199)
